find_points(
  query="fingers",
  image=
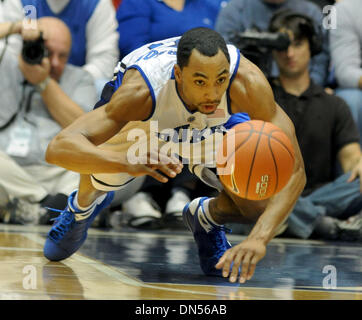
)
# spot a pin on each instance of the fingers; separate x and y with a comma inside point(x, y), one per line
point(168, 165)
point(235, 261)
point(245, 267)
point(156, 175)
point(164, 169)
point(352, 176)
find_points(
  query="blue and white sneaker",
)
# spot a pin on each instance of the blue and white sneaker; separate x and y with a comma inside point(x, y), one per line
point(210, 238)
point(67, 235)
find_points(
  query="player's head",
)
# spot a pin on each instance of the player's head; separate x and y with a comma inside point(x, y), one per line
point(295, 60)
point(202, 69)
point(58, 41)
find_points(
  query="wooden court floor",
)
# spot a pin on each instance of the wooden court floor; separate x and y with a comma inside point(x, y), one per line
point(134, 265)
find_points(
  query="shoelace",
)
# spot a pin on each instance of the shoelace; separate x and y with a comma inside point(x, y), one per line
point(220, 239)
point(66, 219)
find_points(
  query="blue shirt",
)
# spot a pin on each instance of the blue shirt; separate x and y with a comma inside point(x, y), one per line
point(75, 15)
point(144, 21)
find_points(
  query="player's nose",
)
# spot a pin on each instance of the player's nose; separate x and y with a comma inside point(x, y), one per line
point(213, 95)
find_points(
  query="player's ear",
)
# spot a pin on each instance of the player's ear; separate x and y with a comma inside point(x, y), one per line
point(178, 73)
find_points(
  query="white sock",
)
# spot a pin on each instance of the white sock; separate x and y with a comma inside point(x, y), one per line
point(207, 212)
point(86, 211)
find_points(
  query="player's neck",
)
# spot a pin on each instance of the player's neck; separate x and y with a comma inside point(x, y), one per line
point(295, 85)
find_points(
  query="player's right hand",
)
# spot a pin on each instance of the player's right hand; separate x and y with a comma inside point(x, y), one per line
point(156, 165)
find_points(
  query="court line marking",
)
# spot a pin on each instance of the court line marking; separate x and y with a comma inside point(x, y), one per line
point(21, 249)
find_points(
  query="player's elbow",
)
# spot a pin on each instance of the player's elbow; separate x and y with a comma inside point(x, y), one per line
point(53, 150)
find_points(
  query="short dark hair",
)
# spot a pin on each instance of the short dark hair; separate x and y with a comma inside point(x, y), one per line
point(301, 25)
point(205, 40)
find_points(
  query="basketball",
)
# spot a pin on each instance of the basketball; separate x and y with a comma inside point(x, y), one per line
point(255, 160)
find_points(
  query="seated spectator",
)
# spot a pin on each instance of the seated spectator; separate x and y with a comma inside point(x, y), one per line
point(242, 15)
point(346, 53)
point(92, 24)
point(326, 134)
point(144, 21)
point(36, 102)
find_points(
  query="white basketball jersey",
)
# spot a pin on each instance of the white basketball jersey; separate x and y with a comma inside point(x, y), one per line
point(171, 122)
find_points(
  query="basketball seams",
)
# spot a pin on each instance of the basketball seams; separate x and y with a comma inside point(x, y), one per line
point(285, 146)
point(263, 142)
point(241, 144)
point(275, 165)
point(253, 160)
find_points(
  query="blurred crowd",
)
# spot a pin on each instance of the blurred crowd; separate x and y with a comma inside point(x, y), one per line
point(57, 55)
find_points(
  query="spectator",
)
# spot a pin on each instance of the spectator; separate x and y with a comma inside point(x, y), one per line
point(144, 21)
point(346, 53)
point(36, 102)
point(242, 15)
point(326, 133)
point(93, 27)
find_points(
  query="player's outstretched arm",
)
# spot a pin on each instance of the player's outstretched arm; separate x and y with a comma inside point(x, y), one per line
point(250, 92)
point(75, 147)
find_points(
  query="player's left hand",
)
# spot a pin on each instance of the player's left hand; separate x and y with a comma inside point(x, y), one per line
point(243, 256)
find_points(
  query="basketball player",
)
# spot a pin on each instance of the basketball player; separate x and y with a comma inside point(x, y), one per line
point(196, 81)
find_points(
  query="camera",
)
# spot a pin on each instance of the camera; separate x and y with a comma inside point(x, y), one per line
point(256, 46)
point(34, 50)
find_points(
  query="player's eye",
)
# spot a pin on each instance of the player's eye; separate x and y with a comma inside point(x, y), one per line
point(199, 82)
point(221, 80)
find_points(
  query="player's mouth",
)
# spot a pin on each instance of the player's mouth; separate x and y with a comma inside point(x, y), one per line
point(209, 108)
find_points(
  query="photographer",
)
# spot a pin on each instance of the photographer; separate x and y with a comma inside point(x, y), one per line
point(38, 99)
point(244, 15)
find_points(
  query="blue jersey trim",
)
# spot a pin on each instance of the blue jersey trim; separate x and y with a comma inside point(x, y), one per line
point(235, 119)
point(173, 74)
point(134, 66)
point(231, 81)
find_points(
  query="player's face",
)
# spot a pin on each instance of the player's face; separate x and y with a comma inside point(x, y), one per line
point(295, 60)
point(202, 83)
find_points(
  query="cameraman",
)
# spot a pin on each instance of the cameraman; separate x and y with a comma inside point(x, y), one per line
point(242, 15)
point(37, 100)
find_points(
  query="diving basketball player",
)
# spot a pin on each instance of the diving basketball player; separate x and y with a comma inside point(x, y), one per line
point(194, 82)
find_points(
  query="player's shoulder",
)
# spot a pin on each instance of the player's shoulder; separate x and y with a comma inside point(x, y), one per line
point(153, 53)
point(249, 78)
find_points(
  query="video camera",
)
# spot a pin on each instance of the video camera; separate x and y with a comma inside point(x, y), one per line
point(256, 46)
point(34, 50)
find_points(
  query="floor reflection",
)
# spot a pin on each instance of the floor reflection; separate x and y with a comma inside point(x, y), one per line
point(174, 259)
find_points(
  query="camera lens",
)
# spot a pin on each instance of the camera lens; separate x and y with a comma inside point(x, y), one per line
point(34, 51)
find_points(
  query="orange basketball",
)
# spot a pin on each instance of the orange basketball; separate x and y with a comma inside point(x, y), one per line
point(255, 160)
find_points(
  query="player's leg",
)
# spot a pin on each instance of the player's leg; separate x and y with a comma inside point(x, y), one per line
point(227, 207)
point(69, 231)
point(206, 217)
